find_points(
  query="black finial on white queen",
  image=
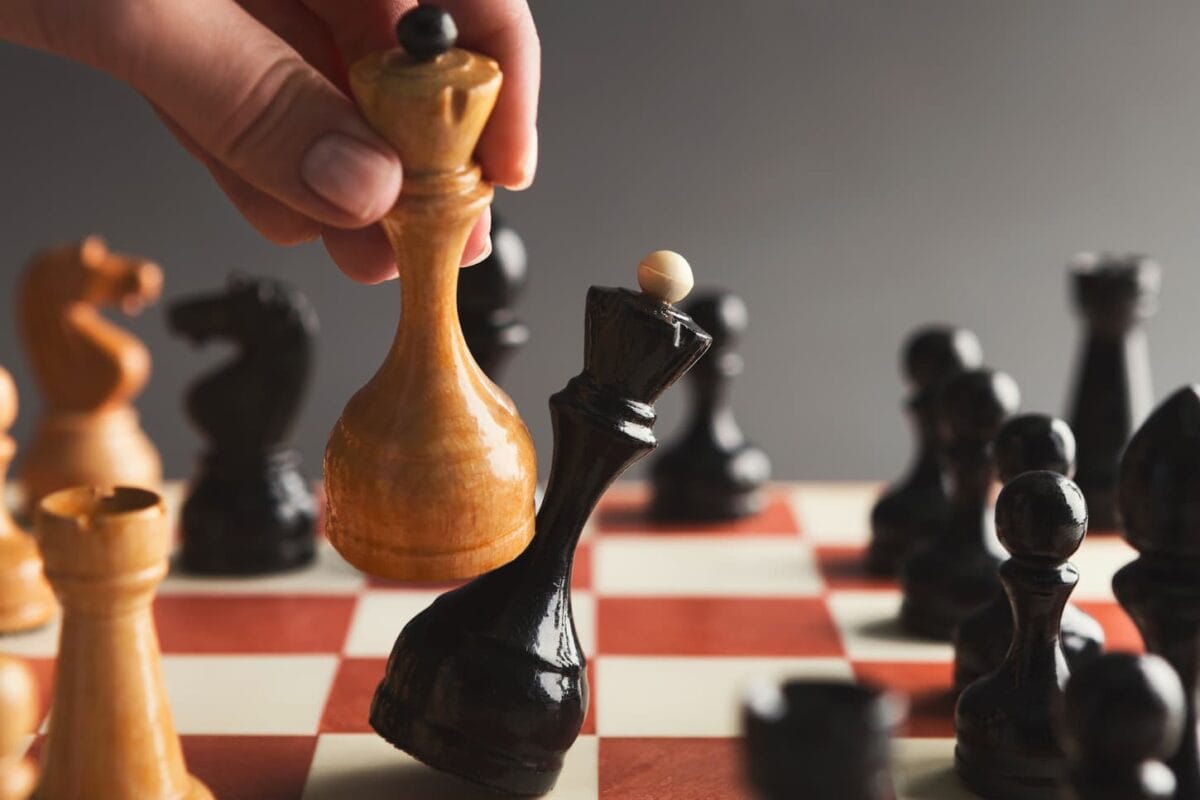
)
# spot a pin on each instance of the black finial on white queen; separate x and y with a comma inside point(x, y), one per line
point(426, 32)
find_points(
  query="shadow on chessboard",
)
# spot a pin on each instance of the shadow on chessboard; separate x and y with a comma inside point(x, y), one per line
point(406, 779)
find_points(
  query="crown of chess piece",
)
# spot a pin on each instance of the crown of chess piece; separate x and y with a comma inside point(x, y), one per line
point(430, 472)
point(26, 601)
point(18, 718)
point(88, 370)
point(488, 683)
point(1008, 746)
point(1123, 714)
point(954, 573)
point(1113, 392)
point(712, 473)
point(249, 510)
point(486, 293)
point(1160, 590)
point(914, 508)
point(110, 733)
point(845, 757)
point(1026, 443)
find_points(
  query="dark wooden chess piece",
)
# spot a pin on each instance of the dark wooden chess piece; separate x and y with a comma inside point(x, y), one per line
point(1008, 746)
point(1123, 714)
point(955, 572)
point(1160, 506)
point(1113, 393)
point(1026, 443)
point(712, 473)
point(249, 509)
point(486, 293)
point(914, 508)
point(820, 740)
point(488, 683)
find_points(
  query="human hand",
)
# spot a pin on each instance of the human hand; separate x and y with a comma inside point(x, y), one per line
point(257, 91)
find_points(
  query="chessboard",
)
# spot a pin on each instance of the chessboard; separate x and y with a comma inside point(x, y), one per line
point(270, 678)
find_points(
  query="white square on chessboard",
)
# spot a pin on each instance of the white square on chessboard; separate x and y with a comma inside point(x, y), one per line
point(248, 695)
point(1097, 560)
point(363, 766)
point(835, 513)
point(705, 565)
point(923, 769)
point(870, 630)
point(328, 574)
point(689, 696)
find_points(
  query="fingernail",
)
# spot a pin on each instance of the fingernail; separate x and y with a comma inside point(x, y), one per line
point(352, 175)
point(528, 166)
point(483, 254)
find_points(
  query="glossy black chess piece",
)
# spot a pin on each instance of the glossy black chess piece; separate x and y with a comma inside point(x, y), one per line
point(1007, 739)
point(820, 740)
point(1113, 393)
point(488, 682)
point(915, 508)
point(1159, 496)
point(712, 473)
point(249, 509)
point(1122, 716)
point(1027, 442)
point(486, 293)
point(955, 572)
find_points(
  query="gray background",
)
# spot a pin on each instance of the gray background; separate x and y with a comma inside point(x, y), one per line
point(850, 168)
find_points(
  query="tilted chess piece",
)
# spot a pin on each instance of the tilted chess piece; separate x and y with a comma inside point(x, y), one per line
point(87, 369)
point(488, 682)
point(486, 293)
point(249, 510)
point(429, 472)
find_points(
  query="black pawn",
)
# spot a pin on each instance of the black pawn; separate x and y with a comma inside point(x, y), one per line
point(488, 683)
point(1113, 394)
point(914, 508)
point(820, 740)
point(1008, 746)
point(486, 293)
point(1159, 495)
point(713, 473)
point(1027, 442)
point(249, 509)
point(1123, 714)
point(955, 573)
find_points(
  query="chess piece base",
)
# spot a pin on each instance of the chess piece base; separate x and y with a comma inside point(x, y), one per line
point(699, 502)
point(26, 600)
point(902, 522)
point(943, 589)
point(998, 776)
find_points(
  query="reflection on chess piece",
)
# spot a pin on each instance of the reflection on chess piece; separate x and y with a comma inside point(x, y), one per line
point(249, 510)
point(18, 718)
point(110, 733)
point(486, 293)
point(488, 683)
point(712, 473)
point(430, 472)
point(1113, 392)
point(25, 598)
point(87, 369)
point(916, 507)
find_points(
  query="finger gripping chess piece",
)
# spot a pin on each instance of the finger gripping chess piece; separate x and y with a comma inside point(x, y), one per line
point(87, 369)
point(488, 683)
point(820, 740)
point(25, 598)
point(1113, 392)
point(18, 718)
point(916, 507)
point(486, 293)
point(110, 733)
point(712, 473)
point(430, 473)
point(249, 510)
point(1007, 740)
point(1123, 714)
point(955, 573)
point(1160, 505)
point(1027, 442)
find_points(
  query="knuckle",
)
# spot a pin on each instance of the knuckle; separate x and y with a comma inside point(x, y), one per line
point(263, 114)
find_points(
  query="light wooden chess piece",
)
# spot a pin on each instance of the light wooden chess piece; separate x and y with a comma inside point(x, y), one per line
point(110, 733)
point(430, 473)
point(18, 718)
point(25, 598)
point(88, 370)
